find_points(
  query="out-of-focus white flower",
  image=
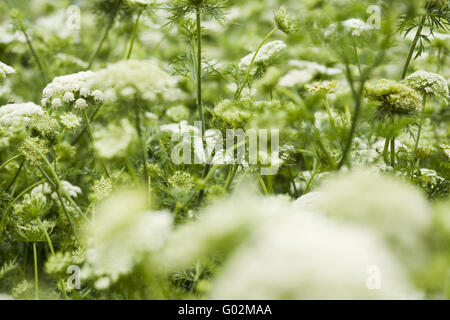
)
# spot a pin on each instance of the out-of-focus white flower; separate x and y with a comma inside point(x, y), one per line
point(315, 68)
point(353, 26)
point(12, 113)
point(5, 70)
point(299, 255)
point(430, 84)
point(179, 129)
point(130, 79)
point(267, 52)
point(295, 78)
point(115, 140)
point(393, 208)
point(121, 232)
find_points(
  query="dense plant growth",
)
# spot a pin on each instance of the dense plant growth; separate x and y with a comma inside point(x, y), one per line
point(112, 184)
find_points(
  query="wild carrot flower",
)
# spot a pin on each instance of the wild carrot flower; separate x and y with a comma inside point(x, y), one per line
point(429, 84)
point(5, 70)
point(13, 113)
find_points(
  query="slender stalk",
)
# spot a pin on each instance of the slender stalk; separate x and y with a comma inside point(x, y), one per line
point(133, 36)
point(91, 136)
point(230, 177)
point(199, 71)
point(413, 46)
point(142, 144)
point(28, 189)
point(16, 176)
point(47, 236)
point(102, 40)
point(9, 161)
point(30, 45)
point(393, 152)
point(416, 146)
point(36, 276)
point(244, 83)
point(263, 185)
point(91, 118)
point(327, 106)
point(348, 143)
point(386, 149)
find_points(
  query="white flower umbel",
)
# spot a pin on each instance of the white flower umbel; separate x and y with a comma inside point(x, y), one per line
point(12, 113)
point(121, 232)
point(394, 208)
point(115, 140)
point(295, 78)
point(133, 79)
point(5, 70)
point(72, 88)
point(300, 255)
point(354, 27)
point(45, 189)
point(430, 84)
point(265, 54)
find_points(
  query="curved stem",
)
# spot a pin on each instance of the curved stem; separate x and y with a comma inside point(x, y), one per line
point(30, 45)
point(244, 83)
point(393, 152)
point(133, 36)
point(416, 146)
point(9, 161)
point(143, 147)
point(36, 276)
point(91, 136)
point(413, 46)
point(47, 236)
point(199, 72)
point(102, 40)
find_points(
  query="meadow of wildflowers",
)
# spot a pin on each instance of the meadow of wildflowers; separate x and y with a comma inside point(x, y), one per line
point(212, 149)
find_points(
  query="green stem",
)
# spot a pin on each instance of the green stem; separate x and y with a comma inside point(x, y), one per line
point(413, 46)
point(91, 136)
point(36, 276)
point(386, 149)
point(199, 72)
point(133, 36)
point(230, 177)
point(244, 83)
point(393, 152)
point(30, 46)
point(15, 176)
point(416, 146)
point(143, 147)
point(47, 236)
point(102, 40)
point(28, 189)
point(9, 161)
point(327, 106)
point(263, 185)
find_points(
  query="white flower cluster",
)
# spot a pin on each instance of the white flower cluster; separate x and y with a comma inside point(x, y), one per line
point(71, 89)
point(127, 80)
point(430, 84)
point(115, 140)
point(121, 232)
point(304, 72)
point(428, 177)
point(291, 258)
point(265, 54)
point(395, 209)
point(5, 70)
point(274, 250)
point(45, 189)
point(353, 26)
point(13, 113)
